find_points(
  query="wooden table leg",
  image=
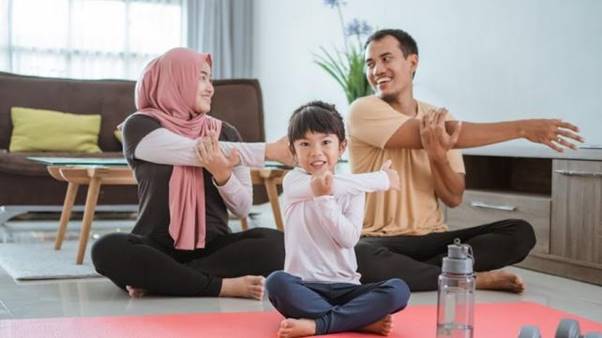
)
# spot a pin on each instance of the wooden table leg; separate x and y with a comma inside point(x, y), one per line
point(65, 214)
point(271, 189)
point(244, 223)
point(91, 200)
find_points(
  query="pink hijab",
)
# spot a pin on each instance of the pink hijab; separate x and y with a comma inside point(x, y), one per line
point(167, 91)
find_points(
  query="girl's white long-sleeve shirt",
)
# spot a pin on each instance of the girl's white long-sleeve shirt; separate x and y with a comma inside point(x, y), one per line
point(320, 232)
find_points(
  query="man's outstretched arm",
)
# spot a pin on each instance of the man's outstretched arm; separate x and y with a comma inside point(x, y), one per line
point(554, 133)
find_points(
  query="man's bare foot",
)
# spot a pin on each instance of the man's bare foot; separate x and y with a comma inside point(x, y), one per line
point(245, 287)
point(290, 328)
point(499, 280)
point(135, 292)
point(382, 327)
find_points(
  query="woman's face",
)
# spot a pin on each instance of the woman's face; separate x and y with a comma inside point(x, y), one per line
point(204, 92)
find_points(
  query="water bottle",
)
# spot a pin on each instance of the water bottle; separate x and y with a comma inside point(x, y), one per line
point(455, 298)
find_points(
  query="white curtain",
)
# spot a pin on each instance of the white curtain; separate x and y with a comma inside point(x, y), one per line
point(87, 38)
point(4, 36)
point(223, 28)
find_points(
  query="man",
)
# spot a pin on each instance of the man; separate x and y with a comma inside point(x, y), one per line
point(404, 232)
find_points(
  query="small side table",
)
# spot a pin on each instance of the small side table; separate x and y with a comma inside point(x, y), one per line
point(96, 176)
point(270, 178)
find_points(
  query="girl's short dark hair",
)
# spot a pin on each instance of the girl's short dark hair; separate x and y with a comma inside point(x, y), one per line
point(317, 117)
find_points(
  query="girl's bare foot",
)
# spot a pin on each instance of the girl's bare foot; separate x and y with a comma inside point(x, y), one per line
point(500, 280)
point(290, 328)
point(382, 327)
point(245, 287)
point(135, 292)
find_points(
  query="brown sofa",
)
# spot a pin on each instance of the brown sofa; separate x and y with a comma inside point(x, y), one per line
point(26, 185)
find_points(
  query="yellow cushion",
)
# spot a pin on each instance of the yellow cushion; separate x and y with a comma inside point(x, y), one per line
point(118, 135)
point(48, 130)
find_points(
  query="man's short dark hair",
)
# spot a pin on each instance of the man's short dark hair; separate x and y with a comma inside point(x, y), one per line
point(407, 44)
point(317, 117)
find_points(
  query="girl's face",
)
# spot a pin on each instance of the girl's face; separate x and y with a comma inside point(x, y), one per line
point(204, 92)
point(317, 152)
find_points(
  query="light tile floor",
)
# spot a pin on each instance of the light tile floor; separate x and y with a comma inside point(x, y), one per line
point(98, 297)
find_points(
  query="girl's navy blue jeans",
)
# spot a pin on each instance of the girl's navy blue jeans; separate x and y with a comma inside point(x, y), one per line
point(336, 307)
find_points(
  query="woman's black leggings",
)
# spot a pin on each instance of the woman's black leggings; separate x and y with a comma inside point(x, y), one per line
point(129, 259)
point(417, 259)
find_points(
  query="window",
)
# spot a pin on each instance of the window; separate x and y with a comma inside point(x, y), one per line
point(88, 38)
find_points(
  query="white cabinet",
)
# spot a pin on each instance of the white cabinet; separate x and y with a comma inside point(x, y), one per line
point(577, 210)
point(560, 197)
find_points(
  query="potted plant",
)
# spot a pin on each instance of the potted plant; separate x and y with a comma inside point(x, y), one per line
point(347, 66)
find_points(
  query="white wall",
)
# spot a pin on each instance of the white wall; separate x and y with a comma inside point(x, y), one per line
point(483, 60)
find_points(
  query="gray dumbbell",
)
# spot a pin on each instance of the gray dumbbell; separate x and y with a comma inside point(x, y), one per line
point(529, 331)
point(569, 328)
point(593, 335)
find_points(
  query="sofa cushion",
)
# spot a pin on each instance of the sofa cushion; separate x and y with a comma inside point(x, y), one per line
point(237, 101)
point(49, 130)
point(113, 99)
point(19, 164)
point(118, 135)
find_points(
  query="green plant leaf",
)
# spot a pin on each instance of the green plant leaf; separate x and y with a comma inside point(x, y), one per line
point(329, 70)
point(347, 68)
point(338, 67)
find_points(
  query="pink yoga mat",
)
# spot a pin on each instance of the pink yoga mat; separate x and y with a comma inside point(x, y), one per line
point(500, 320)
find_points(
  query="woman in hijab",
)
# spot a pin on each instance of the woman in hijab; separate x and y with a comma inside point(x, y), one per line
point(181, 244)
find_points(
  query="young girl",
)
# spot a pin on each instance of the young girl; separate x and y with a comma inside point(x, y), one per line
point(319, 290)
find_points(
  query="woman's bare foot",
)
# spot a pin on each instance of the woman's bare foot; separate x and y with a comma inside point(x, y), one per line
point(245, 287)
point(135, 292)
point(500, 280)
point(290, 328)
point(382, 327)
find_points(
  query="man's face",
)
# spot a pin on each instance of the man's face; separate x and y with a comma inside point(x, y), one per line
point(387, 70)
